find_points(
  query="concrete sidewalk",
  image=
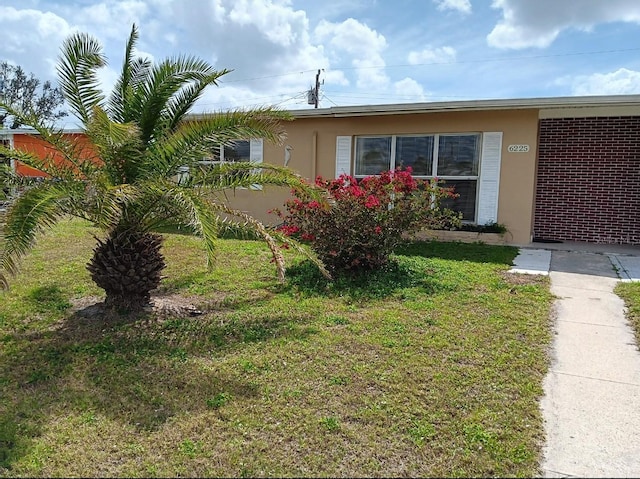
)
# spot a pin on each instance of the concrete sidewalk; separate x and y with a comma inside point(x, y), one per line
point(591, 405)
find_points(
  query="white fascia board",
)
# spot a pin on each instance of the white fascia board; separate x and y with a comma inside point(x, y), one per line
point(477, 105)
point(31, 131)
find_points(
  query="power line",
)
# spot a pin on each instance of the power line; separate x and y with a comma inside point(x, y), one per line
point(453, 62)
point(314, 93)
point(497, 59)
point(297, 98)
point(325, 97)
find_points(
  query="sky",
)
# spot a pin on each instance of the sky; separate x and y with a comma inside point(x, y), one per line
point(367, 51)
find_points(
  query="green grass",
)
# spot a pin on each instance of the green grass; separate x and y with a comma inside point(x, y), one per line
point(630, 293)
point(433, 367)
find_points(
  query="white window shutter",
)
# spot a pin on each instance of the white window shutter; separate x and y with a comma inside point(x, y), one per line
point(256, 156)
point(489, 182)
point(343, 155)
point(255, 150)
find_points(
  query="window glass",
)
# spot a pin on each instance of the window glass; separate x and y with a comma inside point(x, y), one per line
point(466, 202)
point(416, 152)
point(237, 151)
point(458, 155)
point(373, 155)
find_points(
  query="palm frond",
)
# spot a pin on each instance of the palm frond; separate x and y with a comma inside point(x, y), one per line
point(67, 156)
point(118, 146)
point(196, 139)
point(122, 104)
point(183, 100)
point(121, 89)
point(245, 174)
point(102, 203)
point(163, 81)
point(37, 209)
point(80, 59)
point(249, 222)
point(306, 252)
point(161, 204)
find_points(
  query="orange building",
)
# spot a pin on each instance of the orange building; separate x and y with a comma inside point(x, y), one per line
point(25, 140)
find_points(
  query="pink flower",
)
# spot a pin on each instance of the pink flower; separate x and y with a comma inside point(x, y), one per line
point(371, 202)
point(356, 191)
point(377, 230)
point(288, 229)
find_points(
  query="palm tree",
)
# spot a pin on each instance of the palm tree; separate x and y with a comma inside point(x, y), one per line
point(5, 179)
point(122, 177)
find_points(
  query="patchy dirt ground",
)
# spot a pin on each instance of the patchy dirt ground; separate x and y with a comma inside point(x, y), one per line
point(161, 306)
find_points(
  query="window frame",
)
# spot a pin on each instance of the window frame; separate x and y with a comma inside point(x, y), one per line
point(251, 143)
point(434, 160)
point(221, 159)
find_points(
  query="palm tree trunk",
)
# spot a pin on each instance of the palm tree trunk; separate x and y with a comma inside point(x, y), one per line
point(128, 266)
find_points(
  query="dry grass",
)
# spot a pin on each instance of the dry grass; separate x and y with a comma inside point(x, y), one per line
point(433, 368)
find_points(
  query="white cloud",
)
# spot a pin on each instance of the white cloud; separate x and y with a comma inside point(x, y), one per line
point(334, 77)
point(619, 82)
point(432, 55)
point(258, 39)
point(354, 42)
point(229, 97)
point(31, 36)
point(278, 22)
point(408, 89)
point(462, 6)
point(111, 19)
point(538, 23)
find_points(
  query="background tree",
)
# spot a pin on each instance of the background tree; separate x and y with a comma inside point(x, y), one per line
point(27, 93)
point(123, 176)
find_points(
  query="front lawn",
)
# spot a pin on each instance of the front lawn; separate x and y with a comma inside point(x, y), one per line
point(432, 368)
point(630, 293)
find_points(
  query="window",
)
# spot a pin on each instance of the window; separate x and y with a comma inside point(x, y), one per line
point(454, 158)
point(415, 152)
point(236, 151)
point(239, 150)
point(373, 155)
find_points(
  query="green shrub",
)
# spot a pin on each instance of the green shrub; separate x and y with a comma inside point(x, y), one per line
point(362, 221)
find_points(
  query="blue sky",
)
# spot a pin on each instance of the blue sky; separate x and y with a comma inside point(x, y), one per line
point(369, 52)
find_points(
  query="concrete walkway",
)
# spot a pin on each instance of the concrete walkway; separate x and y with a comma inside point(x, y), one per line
point(591, 404)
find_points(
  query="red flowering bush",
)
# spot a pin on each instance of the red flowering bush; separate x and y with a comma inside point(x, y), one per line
point(361, 222)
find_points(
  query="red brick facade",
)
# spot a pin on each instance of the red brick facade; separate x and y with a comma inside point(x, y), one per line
point(588, 180)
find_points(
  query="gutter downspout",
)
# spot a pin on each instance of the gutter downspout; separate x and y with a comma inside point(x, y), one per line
point(314, 156)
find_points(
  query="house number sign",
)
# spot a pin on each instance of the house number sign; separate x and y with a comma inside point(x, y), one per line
point(518, 148)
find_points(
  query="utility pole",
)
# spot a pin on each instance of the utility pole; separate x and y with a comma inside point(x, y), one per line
point(317, 95)
point(313, 95)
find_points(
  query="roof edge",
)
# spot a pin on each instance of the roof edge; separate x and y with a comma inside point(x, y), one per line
point(471, 105)
point(32, 131)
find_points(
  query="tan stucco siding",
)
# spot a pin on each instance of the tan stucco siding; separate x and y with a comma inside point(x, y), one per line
point(313, 143)
point(517, 172)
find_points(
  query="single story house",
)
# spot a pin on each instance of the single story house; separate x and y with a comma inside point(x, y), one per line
point(548, 169)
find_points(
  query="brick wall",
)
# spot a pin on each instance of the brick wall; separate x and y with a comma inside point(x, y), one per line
point(588, 181)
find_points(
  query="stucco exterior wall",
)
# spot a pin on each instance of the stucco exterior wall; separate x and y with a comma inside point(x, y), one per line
point(313, 142)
